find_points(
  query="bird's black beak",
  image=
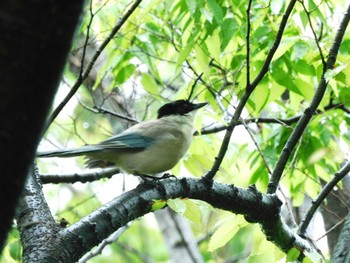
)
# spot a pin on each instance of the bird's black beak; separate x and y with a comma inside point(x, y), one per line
point(199, 105)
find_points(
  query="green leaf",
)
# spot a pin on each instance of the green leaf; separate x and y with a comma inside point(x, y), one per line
point(213, 43)
point(178, 205)
point(276, 6)
point(216, 9)
point(192, 212)
point(188, 208)
point(285, 79)
point(124, 74)
point(300, 49)
point(183, 55)
point(260, 97)
point(331, 73)
point(158, 204)
point(286, 44)
point(208, 15)
point(228, 29)
point(202, 59)
point(149, 84)
point(15, 250)
point(293, 254)
point(224, 233)
point(192, 5)
point(313, 256)
point(305, 88)
point(344, 96)
point(194, 164)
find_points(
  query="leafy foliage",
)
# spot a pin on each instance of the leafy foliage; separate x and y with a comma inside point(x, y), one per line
point(170, 49)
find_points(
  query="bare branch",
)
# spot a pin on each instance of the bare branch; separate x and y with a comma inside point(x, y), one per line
point(320, 198)
point(314, 33)
point(110, 240)
point(73, 178)
point(248, 43)
point(86, 73)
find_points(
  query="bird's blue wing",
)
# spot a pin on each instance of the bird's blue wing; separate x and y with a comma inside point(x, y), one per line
point(126, 141)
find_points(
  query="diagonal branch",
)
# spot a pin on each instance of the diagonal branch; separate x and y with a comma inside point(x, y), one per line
point(275, 45)
point(322, 196)
point(309, 112)
point(250, 88)
point(86, 73)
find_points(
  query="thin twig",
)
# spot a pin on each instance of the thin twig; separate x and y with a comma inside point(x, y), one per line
point(323, 194)
point(100, 110)
point(284, 122)
point(194, 85)
point(86, 40)
point(248, 42)
point(269, 171)
point(314, 33)
point(110, 240)
point(275, 45)
point(331, 229)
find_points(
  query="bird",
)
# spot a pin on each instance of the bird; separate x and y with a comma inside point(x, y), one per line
point(145, 149)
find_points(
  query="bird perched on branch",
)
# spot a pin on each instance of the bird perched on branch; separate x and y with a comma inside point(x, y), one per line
point(147, 148)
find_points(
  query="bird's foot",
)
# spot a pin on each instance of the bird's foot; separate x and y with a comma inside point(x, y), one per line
point(153, 179)
point(168, 175)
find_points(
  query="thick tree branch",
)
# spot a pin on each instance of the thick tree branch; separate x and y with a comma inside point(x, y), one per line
point(309, 112)
point(86, 73)
point(71, 243)
point(256, 206)
point(35, 222)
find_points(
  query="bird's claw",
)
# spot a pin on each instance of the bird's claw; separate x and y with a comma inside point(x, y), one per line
point(152, 179)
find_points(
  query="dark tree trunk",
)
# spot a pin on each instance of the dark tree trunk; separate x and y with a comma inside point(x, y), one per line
point(35, 39)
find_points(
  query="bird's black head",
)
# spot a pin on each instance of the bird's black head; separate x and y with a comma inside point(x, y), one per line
point(178, 107)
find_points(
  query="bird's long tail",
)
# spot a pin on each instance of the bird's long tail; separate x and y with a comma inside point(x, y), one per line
point(68, 152)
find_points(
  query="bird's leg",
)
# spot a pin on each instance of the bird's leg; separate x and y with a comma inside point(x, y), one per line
point(147, 178)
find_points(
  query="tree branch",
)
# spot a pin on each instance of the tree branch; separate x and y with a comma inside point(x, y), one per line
point(86, 73)
point(338, 176)
point(82, 178)
point(275, 45)
point(285, 122)
point(257, 207)
point(35, 223)
point(247, 93)
point(71, 243)
point(309, 112)
point(248, 43)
